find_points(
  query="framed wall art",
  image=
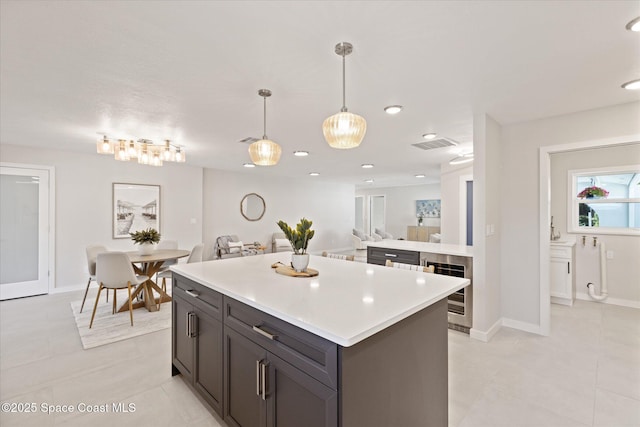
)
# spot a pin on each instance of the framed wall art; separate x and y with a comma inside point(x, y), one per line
point(428, 208)
point(135, 207)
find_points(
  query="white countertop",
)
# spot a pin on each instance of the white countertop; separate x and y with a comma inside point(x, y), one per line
point(434, 248)
point(346, 303)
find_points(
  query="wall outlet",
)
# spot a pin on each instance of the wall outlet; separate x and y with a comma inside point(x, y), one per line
point(609, 254)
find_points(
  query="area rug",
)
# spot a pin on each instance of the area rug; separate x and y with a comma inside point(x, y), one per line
point(108, 328)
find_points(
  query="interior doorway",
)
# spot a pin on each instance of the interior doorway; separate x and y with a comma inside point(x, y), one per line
point(25, 243)
point(376, 213)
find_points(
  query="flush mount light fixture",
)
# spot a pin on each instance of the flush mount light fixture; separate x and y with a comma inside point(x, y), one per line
point(632, 85)
point(344, 130)
point(144, 151)
point(393, 109)
point(367, 166)
point(249, 165)
point(420, 175)
point(462, 158)
point(634, 25)
point(300, 153)
point(313, 174)
point(369, 181)
point(265, 152)
point(429, 135)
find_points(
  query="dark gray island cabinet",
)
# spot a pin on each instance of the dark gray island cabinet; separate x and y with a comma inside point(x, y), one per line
point(256, 369)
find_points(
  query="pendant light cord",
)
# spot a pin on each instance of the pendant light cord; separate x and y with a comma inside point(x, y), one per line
point(344, 102)
point(264, 128)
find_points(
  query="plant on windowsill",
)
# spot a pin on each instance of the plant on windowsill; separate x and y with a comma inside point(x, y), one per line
point(299, 240)
point(147, 239)
point(593, 192)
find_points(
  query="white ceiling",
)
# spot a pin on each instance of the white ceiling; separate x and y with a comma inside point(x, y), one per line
point(190, 71)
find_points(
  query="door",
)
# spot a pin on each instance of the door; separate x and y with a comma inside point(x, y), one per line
point(244, 405)
point(24, 232)
point(208, 373)
point(376, 213)
point(296, 399)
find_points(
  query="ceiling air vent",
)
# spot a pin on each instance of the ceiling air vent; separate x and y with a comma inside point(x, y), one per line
point(248, 140)
point(436, 143)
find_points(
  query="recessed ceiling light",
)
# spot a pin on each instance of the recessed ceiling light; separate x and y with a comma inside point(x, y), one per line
point(313, 174)
point(632, 85)
point(249, 165)
point(634, 25)
point(462, 158)
point(367, 166)
point(420, 175)
point(393, 109)
point(300, 153)
point(368, 181)
point(429, 135)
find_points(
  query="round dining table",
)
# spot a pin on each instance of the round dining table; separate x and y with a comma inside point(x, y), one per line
point(149, 265)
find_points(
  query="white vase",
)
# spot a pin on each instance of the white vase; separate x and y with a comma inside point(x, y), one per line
point(300, 262)
point(146, 248)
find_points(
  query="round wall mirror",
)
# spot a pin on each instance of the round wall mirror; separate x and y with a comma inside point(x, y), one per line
point(252, 207)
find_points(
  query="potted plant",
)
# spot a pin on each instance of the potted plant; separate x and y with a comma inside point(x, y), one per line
point(147, 240)
point(299, 240)
point(420, 217)
point(593, 192)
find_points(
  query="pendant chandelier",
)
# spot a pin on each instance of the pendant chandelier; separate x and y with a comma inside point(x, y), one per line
point(265, 152)
point(344, 130)
point(143, 151)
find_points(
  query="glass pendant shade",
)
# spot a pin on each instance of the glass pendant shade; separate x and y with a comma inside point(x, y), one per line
point(122, 151)
point(104, 146)
point(344, 130)
point(265, 152)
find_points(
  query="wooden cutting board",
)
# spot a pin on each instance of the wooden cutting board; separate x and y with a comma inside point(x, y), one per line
point(289, 271)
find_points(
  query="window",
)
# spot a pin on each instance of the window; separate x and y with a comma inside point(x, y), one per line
point(605, 201)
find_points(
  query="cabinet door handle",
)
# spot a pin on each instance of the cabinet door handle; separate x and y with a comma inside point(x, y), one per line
point(263, 379)
point(264, 333)
point(568, 267)
point(189, 324)
point(258, 388)
point(192, 294)
point(391, 255)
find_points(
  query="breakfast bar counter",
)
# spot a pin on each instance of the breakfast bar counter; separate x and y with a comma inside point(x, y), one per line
point(358, 344)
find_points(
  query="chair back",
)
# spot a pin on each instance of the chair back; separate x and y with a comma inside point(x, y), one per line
point(196, 253)
point(92, 254)
point(403, 266)
point(168, 244)
point(114, 270)
point(338, 256)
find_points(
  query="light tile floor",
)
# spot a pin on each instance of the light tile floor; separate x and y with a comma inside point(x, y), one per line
point(587, 373)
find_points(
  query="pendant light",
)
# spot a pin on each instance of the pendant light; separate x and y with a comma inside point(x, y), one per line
point(265, 152)
point(344, 130)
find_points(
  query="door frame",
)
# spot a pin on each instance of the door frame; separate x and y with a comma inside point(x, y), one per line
point(51, 265)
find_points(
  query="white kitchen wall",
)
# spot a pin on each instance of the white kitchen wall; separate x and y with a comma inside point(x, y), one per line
point(452, 212)
point(401, 205)
point(329, 205)
point(519, 185)
point(623, 271)
point(83, 198)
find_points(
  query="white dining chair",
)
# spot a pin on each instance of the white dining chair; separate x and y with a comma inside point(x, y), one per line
point(114, 271)
point(194, 256)
point(167, 244)
point(338, 256)
point(92, 253)
point(403, 266)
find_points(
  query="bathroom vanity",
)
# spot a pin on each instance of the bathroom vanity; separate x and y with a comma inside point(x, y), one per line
point(357, 345)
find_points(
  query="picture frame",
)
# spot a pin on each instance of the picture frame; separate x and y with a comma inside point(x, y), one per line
point(135, 207)
point(428, 208)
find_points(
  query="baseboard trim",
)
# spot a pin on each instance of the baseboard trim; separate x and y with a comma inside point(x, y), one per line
point(609, 300)
point(486, 336)
point(522, 326)
point(69, 289)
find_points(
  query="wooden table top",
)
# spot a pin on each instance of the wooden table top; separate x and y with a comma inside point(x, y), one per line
point(158, 255)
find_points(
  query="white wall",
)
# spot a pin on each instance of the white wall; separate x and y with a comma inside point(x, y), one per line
point(519, 185)
point(623, 271)
point(83, 199)
point(330, 206)
point(401, 206)
point(487, 199)
point(452, 211)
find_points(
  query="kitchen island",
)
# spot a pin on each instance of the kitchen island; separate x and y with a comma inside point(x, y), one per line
point(356, 345)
